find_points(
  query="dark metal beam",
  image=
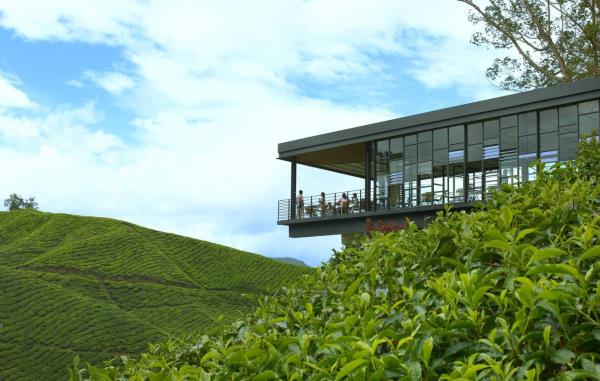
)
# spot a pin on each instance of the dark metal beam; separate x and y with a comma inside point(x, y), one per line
point(293, 192)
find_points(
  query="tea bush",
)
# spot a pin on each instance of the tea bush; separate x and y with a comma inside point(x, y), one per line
point(509, 291)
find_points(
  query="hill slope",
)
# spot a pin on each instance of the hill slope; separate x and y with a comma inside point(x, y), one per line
point(98, 288)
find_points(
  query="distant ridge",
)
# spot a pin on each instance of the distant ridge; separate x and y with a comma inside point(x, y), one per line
point(99, 287)
point(292, 261)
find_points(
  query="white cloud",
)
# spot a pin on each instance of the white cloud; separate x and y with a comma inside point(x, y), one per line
point(111, 81)
point(11, 96)
point(213, 95)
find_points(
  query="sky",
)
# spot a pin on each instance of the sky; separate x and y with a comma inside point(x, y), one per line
point(168, 114)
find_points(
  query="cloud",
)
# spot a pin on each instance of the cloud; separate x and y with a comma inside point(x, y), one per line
point(111, 81)
point(215, 90)
point(11, 96)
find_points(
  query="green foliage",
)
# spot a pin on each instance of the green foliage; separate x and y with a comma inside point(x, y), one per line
point(554, 41)
point(507, 292)
point(16, 202)
point(98, 288)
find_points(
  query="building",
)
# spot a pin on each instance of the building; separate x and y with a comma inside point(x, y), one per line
point(413, 166)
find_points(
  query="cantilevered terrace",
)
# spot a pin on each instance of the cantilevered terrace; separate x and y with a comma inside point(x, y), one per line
point(413, 166)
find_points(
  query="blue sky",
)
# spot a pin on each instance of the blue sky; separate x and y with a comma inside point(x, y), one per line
point(169, 114)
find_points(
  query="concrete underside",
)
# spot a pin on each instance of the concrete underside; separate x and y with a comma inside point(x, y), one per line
point(356, 223)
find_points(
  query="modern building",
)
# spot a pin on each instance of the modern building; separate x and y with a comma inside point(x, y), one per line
point(413, 166)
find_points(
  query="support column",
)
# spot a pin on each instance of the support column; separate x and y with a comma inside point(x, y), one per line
point(293, 192)
point(368, 175)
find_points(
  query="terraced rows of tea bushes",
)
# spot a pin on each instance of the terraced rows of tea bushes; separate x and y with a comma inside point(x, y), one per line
point(97, 288)
point(507, 292)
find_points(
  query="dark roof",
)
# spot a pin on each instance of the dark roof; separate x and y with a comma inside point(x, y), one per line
point(491, 108)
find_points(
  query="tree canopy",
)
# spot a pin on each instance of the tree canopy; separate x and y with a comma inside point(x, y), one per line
point(16, 202)
point(555, 40)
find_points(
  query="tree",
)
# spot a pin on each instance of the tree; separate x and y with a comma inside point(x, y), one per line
point(16, 202)
point(555, 40)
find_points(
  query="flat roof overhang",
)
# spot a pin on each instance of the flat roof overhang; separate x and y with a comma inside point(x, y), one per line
point(343, 151)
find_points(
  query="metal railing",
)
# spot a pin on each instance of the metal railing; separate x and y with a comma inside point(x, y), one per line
point(329, 204)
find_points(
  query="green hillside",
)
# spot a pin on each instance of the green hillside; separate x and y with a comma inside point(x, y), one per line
point(100, 288)
point(510, 291)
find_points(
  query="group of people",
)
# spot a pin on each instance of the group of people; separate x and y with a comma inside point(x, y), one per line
point(341, 206)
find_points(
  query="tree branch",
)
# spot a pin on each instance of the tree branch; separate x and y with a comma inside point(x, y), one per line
point(511, 37)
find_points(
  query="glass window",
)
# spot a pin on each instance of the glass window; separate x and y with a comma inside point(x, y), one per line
point(456, 156)
point(567, 115)
point(588, 124)
point(396, 146)
point(508, 121)
point(410, 153)
point(587, 107)
point(440, 138)
point(440, 157)
point(569, 128)
point(527, 124)
point(410, 139)
point(456, 135)
point(490, 129)
point(425, 151)
point(508, 139)
point(548, 141)
point(475, 152)
point(567, 146)
point(527, 144)
point(383, 146)
point(548, 120)
point(474, 133)
point(424, 136)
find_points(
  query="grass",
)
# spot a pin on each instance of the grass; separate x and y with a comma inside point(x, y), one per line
point(100, 288)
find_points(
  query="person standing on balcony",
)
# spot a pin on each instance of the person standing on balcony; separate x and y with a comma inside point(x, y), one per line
point(343, 204)
point(300, 205)
point(322, 204)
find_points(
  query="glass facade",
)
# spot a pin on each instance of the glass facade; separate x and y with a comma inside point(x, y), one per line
point(466, 162)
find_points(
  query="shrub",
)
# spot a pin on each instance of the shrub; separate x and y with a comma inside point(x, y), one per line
point(509, 291)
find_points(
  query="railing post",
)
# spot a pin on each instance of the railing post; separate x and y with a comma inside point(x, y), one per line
point(293, 192)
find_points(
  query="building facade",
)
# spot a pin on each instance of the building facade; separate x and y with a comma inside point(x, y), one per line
point(414, 166)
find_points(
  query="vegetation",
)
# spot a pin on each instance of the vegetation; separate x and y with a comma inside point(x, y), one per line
point(554, 40)
point(98, 288)
point(508, 292)
point(16, 202)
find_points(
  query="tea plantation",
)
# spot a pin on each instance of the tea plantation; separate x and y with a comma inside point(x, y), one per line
point(98, 288)
point(510, 291)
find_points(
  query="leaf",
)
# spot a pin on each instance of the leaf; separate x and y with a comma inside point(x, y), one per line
point(525, 233)
point(555, 269)
point(426, 351)
point(346, 369)
point(507, 216)
point(457, 264)
point(590, 253)
point(549, 252)
point(562, 356)
point(547, 331)
point(266, 375)
point(495, 244)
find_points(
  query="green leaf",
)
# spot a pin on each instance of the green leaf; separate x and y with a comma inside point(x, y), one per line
point(348, 368)
point(555, 269)
point(590, 253)
point(507, 216)
point(549, 252)
point(562, 356)
point(524, 233)
point(547, 331)
point(266, 375)
point(495, 244)
point(426, 351)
